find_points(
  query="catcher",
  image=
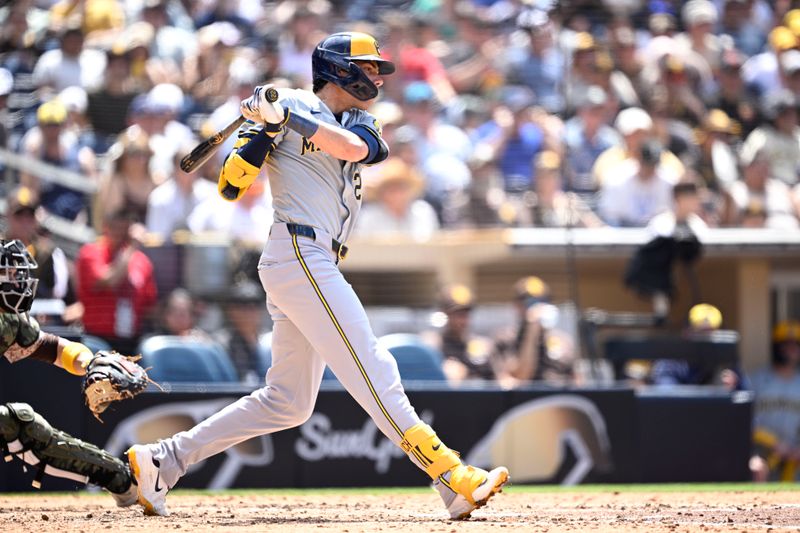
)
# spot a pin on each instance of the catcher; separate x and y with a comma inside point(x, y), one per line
point(109, 376)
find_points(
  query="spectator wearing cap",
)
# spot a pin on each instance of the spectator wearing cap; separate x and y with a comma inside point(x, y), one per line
point(758, 193)
point(549, 206)
point(466, 356)
point(116, 284)
point(100, 16)
point(717, 164)
point(127, 182)
point(302, 34)
point(470, 61)
point(627, 60)
point(167, 101)
point(778, 136)
point(50, 142)
point(535, 348)
point(641, 189)
point(587, 63)
point(731, 94)
point(776, 420)
point(515, 138)
point(241, 221)
point(761, 73)
point(76, 101)
point(56, 294)
point(396, 209)
point(442, 149)
point(108, 106)
point(700, 18)
point(586, 136)
point(790, 71)
point(171, 43)
point(205, 72)
point(636, 126)
point(245, 315)
point(170, 204)
point(703, 319)
point(535, 61)
point(70, 64)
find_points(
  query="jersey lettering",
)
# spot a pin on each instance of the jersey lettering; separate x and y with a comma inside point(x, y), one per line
point(308, 147)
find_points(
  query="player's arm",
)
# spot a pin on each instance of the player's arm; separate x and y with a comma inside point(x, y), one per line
point(31, 342)
point(359, 143)
point(241, 168)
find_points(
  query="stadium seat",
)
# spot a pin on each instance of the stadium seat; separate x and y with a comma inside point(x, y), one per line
point(415, 360)
point(177, 359)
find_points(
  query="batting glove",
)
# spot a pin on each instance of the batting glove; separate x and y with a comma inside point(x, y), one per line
point(258, 109)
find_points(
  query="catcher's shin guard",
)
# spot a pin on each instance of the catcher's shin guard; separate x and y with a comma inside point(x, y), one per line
point(29, 437)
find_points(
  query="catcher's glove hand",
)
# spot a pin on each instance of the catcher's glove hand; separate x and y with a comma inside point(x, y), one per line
point(111, 376)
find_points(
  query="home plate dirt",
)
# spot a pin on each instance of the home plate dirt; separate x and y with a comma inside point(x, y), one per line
point(356, 512)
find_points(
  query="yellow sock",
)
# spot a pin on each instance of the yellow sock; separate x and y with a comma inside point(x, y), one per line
point(421, 442)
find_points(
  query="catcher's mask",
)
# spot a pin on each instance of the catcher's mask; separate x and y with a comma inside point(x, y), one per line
point(333, 61)
point(17, 284)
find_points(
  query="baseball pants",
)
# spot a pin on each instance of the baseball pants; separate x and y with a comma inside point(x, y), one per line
point(318, 320)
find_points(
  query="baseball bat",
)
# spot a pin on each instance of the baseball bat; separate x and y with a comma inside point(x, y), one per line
point(203, 151)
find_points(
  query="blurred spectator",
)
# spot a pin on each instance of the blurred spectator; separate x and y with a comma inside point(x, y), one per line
point(395, 208)
point(777, 420)
point(128, 182)
point(108, 106)
point(6, 122)
point(736, 21)
point(717, 165)
point(731, 95)
point(466, 355)
point(534, 59)
point(761, 72)
point(548, 206)
point(514, 138)
point(674, 235)
point(636, 126)
point(101, 16)
point(703, 318)
point(470, 60)
point(699, 19)
point(244, 312)
point(178, 316)
point(297, 43)
point(56, 301)
point(586, 136)
point(205, 72)
point(640, 190)
point(50, 142)
point(758, 199)
point(247, 220)
point(70, 63)
point(171, 43)
point(170, 204)
point(116, 285)
point(779, 136)
point(535, 348)
point(166, 101)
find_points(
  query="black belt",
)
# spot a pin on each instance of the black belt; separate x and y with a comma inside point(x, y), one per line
point(307, 231)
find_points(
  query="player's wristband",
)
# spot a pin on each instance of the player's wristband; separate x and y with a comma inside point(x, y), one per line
point(69, 354)
point(301, 123)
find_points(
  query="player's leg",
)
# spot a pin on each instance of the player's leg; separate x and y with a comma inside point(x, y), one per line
point(316, 297)
point(288, 400)
point(26, 435)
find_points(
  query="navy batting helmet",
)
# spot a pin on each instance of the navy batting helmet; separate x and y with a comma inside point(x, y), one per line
point(333, 61)
point(17, 285)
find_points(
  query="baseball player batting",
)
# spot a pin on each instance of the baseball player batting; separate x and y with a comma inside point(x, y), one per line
point(26, 435)
point(314, 145)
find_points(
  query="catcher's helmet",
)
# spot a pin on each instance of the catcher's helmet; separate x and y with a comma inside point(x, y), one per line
point(17, 284)
point(333, 58)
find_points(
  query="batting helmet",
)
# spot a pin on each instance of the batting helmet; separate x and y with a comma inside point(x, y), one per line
point(17, 285)
point(333, 61)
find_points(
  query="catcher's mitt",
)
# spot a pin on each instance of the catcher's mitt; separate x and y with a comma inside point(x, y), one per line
point(111, 376)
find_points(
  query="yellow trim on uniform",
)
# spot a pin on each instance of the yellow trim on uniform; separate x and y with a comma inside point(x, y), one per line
point(346, 341)
point(362, 44)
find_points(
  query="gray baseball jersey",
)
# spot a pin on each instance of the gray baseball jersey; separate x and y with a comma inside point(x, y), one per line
point(308, 185)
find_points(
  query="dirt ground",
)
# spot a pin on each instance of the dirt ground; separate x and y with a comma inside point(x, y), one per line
point(352, 513)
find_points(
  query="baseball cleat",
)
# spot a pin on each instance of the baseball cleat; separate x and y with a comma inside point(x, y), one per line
point(152, 492)
point(469, 488)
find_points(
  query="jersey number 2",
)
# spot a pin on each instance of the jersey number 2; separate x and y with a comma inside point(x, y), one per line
point(357, 185)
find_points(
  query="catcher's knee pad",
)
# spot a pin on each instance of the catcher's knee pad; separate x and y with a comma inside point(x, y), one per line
point(9, 423)
point(59, 454)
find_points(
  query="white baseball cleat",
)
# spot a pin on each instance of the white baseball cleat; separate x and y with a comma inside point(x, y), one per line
point(469, 488)
point(152, 491)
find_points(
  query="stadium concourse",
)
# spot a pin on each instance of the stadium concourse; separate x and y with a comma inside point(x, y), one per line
point(589, 215)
